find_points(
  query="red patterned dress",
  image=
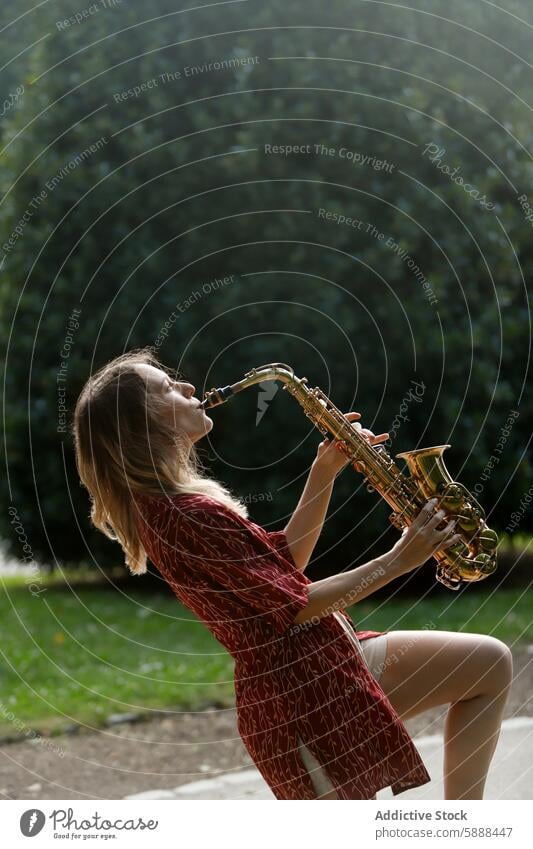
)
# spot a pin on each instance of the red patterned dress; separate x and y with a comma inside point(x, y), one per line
point(290, 680)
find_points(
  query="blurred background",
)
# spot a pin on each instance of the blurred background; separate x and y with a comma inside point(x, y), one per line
point(343, 187)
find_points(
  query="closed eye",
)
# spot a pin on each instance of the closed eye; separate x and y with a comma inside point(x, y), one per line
point(172, 384)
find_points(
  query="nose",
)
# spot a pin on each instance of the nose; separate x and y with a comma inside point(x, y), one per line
point(191, 389)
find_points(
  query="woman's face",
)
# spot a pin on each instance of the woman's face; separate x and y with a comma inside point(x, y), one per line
point(183, 408)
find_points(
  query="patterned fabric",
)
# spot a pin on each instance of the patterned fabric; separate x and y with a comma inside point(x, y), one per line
point(308, 680)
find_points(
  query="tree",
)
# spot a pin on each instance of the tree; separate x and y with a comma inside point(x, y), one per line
point(141, 166)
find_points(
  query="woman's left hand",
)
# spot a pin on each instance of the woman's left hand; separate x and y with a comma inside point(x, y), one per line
point(331, 458)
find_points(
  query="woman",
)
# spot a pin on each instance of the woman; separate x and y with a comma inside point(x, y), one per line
point(320, 706)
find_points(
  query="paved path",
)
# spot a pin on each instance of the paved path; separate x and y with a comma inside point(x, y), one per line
point(510, 775)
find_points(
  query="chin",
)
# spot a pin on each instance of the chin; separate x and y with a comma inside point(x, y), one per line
point(204, 432)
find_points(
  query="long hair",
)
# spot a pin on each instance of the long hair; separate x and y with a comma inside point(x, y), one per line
point(124, 444)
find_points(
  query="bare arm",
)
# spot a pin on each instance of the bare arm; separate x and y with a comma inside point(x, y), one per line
point(340, 591)
point(305, 524)
point(415, 546)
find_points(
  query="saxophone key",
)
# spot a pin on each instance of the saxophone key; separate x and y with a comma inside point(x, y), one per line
point(396, 521)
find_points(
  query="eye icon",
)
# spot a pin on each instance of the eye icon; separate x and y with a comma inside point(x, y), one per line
point(32, 822)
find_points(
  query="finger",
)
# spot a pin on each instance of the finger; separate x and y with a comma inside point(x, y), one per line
point(450, 527)
point(436, 519)
point(371, 437)
point(426, 511)
point(352, 414)
point(428, 508)
point(451, 541)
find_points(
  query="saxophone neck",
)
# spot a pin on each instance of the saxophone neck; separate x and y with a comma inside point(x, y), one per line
point(270, 371)
point(317, 407)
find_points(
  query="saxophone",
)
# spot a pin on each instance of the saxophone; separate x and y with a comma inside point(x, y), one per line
point(473, 557)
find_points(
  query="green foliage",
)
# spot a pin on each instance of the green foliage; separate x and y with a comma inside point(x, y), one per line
point(133, 652)
point(124, 654)
point(181, 191)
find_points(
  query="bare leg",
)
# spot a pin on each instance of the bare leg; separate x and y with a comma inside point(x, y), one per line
point(331, 795)
point(323, 787)
point(470, 672)
point(320, 780)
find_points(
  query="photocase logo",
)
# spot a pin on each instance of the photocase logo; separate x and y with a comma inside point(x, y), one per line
point(267, 390)
point(32, 822)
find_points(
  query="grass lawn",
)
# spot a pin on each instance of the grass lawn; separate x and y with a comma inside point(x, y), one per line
point(80, 655)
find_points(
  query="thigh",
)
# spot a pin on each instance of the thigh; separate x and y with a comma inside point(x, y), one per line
point(323, 787)
point(424, 669)
point(375, 654)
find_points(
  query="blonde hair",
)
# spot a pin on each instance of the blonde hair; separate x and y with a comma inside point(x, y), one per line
point(125, 444)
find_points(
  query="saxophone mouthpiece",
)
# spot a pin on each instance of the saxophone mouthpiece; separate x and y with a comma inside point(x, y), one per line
point(216, 396)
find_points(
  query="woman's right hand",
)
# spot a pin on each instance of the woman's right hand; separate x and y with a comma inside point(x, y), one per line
point(421, 539)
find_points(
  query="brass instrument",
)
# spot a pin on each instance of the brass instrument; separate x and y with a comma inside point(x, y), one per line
point(473, 557)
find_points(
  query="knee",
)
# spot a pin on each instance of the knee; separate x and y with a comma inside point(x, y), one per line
point(499, 659)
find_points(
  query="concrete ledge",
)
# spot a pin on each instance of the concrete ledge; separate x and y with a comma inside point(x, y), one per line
point(510, 775)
